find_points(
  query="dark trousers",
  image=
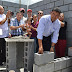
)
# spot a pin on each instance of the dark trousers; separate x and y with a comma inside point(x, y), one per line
point(46, 43)
point(2, 50)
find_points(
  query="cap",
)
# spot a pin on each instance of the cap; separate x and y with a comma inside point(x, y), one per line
point(29, 10)
point(22, 9)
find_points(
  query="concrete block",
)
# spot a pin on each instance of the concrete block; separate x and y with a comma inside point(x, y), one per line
point(53, 0)
point(67, 1)
point(11, 64)
point(46, 1)
point(40, 3)
point(44, 68)
point(45, 6)
point(69, 61)
point(28, 56)
point(59, 3)
point(11, 50)
point(11, 8)
point(47, 11)
point(57, 65)
point(44, 58)
point(50, 5)
point(70, 51)
point(70, 6)
point(67, 69)
point(64, 8)
point(15, 5)
point(63, 64)
point(5, 3)
point(69, 35)
point(41, 8)
point(68, 14)
point(16, 9)
point(69, 29)
point(0, 2)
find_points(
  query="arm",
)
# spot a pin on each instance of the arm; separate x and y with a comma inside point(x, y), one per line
point(62, 24)
point(55, 38)
point(33, 28)
point(4, 20)
point(14, 27)
point(40, 31)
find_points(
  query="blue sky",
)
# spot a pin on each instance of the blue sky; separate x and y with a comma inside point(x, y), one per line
point(24, 1)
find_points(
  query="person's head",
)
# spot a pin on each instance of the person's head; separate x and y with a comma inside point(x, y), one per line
point(61, 17)
point(22, 10)
point(34, 17)
point(18, 16)
point(40, 14)
point(29, 20)
point(55, 14)
point(11, 13)
point(29, 13)
point(1, 9)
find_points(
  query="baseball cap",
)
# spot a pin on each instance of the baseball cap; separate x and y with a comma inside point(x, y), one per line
point(22, 9)
point(29, 10)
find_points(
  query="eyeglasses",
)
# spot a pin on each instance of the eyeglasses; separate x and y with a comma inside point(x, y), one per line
point(40, 13)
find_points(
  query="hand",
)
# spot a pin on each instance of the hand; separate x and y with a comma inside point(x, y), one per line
point(21, 25)
point(40, 51)
point(51, 49)
point(31, 26)
point(8, 14)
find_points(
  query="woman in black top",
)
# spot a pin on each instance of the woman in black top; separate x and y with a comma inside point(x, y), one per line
point(61, 44)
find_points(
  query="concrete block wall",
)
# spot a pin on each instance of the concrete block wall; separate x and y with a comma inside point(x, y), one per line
point(65, 5)
point(13, 7)
point(63, 64)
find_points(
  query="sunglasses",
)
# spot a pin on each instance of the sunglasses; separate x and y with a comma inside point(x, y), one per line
point(39, 13)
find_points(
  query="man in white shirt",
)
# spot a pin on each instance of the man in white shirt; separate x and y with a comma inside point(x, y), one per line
point(48, 30)
point(4, 33)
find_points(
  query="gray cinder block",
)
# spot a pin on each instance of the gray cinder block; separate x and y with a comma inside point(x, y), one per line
point(69, 61)
point(59, 3)
point(46, 1)
point(64, 8)
point(70, 6)
point(57, 65)
point(53, 0)
point(70, 51)
point(11, 8)
point(69, 69)
point(67, 1)
point(44, 68)
point(68, 14)
point(0, 2)
point(44, 58)
point(50, 5)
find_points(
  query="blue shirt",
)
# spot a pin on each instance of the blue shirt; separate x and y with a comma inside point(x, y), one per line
point(46, 27)
point(18, 31)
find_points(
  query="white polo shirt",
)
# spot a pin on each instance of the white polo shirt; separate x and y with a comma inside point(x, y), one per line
point(4, 27)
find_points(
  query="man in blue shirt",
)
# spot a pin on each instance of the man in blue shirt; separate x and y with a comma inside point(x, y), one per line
point(48, 31)
point(16, 25)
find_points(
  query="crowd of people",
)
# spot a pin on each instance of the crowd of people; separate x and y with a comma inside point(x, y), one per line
point(48, 31)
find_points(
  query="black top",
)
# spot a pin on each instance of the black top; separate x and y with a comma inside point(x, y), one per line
point(62, 32)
